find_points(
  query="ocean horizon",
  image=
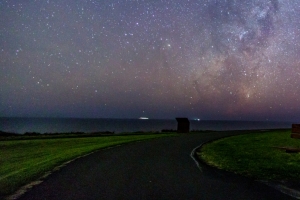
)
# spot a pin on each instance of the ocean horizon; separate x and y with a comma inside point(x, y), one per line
point(22, 125)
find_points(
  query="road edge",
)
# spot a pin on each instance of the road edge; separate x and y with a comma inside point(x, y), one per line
point(277, 186)
point(25, 188)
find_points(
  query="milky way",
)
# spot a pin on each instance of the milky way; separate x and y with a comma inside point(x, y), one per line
point(210, 59)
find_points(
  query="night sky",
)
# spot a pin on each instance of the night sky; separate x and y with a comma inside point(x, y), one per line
point(207, 59)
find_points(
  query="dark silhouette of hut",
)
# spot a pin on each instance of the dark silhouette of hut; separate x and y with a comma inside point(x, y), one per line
point(295, 131)
point(183, 125)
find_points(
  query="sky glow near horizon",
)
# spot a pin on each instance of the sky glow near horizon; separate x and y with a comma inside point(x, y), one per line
point(209, 59)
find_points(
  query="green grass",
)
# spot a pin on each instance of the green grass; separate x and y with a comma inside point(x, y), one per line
point(254, 155)
point(22, 161)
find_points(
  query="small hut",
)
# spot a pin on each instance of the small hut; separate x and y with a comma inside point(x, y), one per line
point(295, 131)
point(183, 125)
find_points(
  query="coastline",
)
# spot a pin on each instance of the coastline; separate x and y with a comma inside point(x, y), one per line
point(119, 126)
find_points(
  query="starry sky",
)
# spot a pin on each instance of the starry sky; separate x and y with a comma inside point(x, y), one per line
point(207, 59)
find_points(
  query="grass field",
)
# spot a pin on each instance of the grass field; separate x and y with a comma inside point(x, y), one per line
point(22, 161)
point(254, 155)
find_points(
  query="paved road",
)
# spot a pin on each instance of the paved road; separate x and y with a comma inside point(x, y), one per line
point(156, 169)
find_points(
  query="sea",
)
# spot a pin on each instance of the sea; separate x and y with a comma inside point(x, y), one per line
point(119, 126)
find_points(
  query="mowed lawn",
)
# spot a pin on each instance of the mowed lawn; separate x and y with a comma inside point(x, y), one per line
point(255, 155)
point(22, 161)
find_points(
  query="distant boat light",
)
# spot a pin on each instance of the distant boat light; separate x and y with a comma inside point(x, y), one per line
point(143, 118)
point(196, 119)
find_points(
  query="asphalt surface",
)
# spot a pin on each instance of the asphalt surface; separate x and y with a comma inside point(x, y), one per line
point(154, 169)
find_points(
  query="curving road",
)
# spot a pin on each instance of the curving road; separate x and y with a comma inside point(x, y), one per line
point(155, 169)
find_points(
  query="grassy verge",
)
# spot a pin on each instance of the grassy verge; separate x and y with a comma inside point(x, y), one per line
point(22, 161)
point(254, 155)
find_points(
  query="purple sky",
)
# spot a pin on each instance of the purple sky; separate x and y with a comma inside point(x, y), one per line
point(209, 59)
